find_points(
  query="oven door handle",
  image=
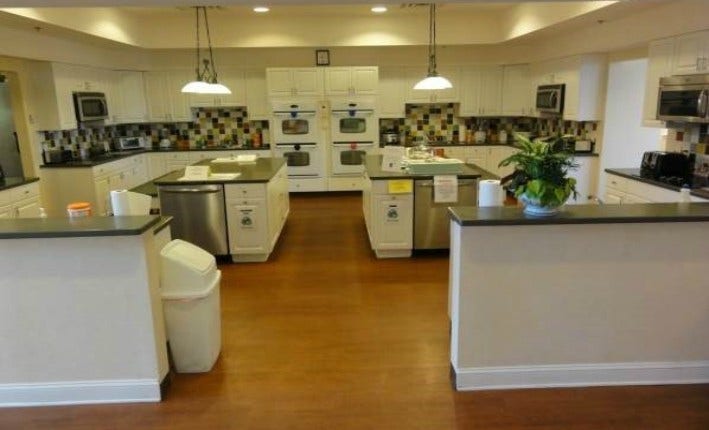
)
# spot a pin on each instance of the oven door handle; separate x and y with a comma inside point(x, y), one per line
point(366, 144)
point(294, 115)
point(352, 114)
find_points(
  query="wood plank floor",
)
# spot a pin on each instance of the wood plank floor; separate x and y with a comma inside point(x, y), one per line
point(324, 336)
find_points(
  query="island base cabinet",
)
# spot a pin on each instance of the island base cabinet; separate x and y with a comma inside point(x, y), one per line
point(248, 230)
point(256, 214)
point(389, 219)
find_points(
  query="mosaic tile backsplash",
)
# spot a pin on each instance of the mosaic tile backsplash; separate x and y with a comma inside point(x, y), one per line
point(212, 127)
point(441, 122)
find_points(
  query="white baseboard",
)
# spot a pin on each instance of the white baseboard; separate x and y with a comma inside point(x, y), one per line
point(76, 393)
point(581, 375)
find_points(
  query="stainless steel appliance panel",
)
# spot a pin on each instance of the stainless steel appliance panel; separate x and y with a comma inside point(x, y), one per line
point(431, 220)
point(199, 215)
point(684, 99)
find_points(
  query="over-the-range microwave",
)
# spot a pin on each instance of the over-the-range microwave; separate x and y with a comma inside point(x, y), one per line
point(550, 99)
point(684, 99)
point(90, 106)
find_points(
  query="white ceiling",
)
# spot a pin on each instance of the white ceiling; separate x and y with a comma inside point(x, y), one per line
point(169, 24)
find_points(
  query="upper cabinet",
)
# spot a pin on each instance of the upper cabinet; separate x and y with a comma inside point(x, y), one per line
point(691, 53)
point(450, 95)
point(584, 77)
point(392, 92)
point(256, 94)
point(234, 79)
point(481, 91)
point(128, 98)
point(297, 81)
point(166, 102)
point(659, 64)
point(516, 98)
point(351, 81)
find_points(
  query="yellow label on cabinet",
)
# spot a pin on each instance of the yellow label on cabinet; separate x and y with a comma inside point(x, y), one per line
point(400, 186)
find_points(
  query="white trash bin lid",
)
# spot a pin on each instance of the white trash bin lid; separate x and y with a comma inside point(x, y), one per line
point(186, 267)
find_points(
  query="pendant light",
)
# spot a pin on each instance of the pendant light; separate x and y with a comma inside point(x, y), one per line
point(432, 81)
point(206, 79)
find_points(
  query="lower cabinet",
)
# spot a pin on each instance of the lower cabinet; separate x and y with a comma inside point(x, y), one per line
point(256, 214)
point(621, 190)
point(64, 185)
point(20, 202)
point(389, 217)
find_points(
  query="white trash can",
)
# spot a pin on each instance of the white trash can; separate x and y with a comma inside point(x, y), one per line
point(190, 292)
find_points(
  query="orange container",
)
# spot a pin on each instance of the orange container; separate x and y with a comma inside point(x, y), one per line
point(78, 209)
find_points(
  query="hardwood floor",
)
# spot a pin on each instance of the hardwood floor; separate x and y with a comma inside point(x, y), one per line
point(324, 336)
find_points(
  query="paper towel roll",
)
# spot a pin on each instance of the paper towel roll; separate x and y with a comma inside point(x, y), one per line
point(125, 202)
point(490, 193)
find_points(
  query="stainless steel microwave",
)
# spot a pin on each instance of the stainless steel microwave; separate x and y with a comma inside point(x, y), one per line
point(684, 99)
point(550, 99)
point(90, 106)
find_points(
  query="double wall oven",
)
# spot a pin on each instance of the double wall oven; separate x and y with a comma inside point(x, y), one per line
point(354, 130)
point(297, 138)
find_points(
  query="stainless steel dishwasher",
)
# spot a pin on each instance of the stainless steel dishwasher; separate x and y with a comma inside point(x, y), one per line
point(199, 215)
point(431, 220)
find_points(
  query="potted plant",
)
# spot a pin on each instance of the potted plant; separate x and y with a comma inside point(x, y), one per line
point(539, 179)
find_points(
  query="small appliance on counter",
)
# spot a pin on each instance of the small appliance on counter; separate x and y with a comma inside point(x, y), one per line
point(674, 168)
point(130, 143)
point(390, 137)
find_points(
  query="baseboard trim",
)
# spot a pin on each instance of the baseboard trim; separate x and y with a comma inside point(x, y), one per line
point(581, 375)
point(77, 393)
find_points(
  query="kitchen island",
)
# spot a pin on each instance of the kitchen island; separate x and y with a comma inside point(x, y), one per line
point(81, 316)
point(598, 295)
point(388, 204)
point(255, 203)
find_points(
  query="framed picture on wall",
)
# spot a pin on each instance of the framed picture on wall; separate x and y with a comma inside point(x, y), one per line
point(322, 57)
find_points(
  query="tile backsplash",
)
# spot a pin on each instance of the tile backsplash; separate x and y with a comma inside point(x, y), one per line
point(211, 127)
point(441, 122)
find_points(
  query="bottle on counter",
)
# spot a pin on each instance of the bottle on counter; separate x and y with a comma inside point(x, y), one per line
point(462, 134)
point(502, 136)
point(684, 194)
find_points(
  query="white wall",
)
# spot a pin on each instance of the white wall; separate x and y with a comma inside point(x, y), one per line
point(624, 139)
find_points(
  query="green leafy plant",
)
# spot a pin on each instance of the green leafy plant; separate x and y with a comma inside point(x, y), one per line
point(540, 172)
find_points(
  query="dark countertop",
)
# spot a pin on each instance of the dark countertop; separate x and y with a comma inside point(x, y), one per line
point(92, 226)
point(263, 170)
point(373, 167)
point(148, 188)
point(118, 155)
point(583, 214)
point(635, 175)
point(162, 223)
point(12, 182)
point(457, 144)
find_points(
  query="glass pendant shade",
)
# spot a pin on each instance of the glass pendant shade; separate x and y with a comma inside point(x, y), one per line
point(206, 75)
point(433, 83)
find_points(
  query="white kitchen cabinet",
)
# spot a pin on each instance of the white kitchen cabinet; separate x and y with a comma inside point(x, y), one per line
point(166, 101)
point(391, 102)
point(516, 97)
point(51, 90)
point(128, 104)
point(586, 179)
point(64, 185)
point(691, 53)
point(257, 106)
point(481, 91)
point(297, 81)
point(20, 202)
point(351, 81)
point(256, 214)
point(176, 160)
point(234, 79)
point(450, 95)
point(659, 64)
point(389, 218)
point(625, 190)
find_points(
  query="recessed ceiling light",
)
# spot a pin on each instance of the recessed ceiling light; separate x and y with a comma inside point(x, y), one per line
point(261, 9)
point(379, 9)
